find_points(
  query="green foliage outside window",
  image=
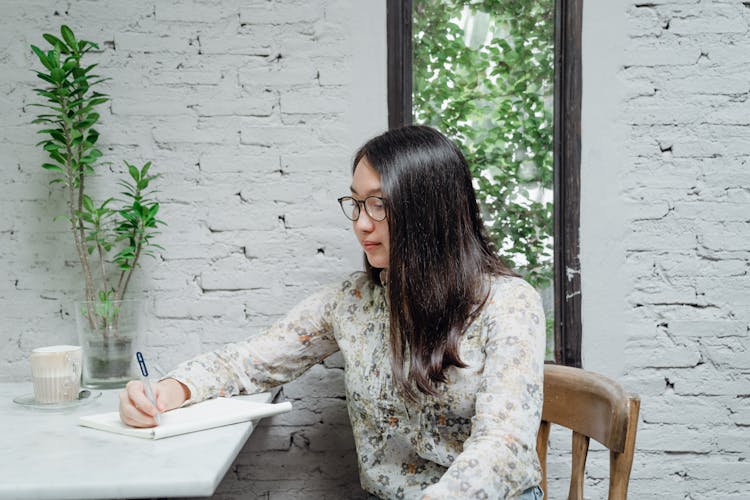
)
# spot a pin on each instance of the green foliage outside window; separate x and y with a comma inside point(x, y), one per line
point(484, 75)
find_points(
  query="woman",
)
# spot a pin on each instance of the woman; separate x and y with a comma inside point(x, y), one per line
point(443, 344)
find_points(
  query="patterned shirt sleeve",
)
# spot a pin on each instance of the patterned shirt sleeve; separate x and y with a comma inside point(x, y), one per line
point(276, 356)
point(508, 403)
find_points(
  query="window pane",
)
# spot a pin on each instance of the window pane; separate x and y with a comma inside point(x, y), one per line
point(483, 73)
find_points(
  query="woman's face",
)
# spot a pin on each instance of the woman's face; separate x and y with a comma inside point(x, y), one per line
point(372, 234)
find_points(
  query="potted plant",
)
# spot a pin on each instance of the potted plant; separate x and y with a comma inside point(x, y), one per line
point(123, 228)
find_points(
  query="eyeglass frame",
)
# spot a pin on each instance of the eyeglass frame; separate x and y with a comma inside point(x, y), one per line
point(360, 204)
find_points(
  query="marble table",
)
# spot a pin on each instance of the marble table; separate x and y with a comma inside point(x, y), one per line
point(46, 455)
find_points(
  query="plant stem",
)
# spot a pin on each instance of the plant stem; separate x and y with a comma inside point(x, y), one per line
point(75, 222)
point(100, 251)
point(118, 294)
point(132, 268)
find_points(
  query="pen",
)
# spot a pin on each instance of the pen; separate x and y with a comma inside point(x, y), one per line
point(146, 384)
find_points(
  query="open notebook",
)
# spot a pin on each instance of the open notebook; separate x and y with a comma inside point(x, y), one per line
point(200, 416)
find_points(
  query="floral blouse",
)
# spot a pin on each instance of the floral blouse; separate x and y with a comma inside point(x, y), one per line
point(476, 440)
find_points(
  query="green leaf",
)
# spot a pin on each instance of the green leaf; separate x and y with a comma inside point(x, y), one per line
point(52, 167)
point(82, 44)
point(57, 157)
point(145, 168)
point(97, 100)
point(87, 160)
point(84, 124)
point(58, 136)
point(133, 172)
point(69, 38)
point(97, 82)
point(42, 57)
point(46, 130)
point(53, 40)
point(57, 75)
point(53, 56)
point(88, 203)
point(41, 120)
point(68, 65)
point(131, 218)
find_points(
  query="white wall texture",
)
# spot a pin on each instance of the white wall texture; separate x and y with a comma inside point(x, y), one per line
point(665, 236)
point(251, 111)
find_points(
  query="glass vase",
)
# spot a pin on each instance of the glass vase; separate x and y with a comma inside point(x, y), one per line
point(109, 336)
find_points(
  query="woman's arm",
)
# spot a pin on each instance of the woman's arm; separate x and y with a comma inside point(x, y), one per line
point(277, 355)
point(499, 457)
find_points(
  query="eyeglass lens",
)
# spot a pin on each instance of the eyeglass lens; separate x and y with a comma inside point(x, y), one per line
point(373, 205)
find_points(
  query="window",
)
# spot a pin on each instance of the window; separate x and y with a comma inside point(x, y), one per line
point(499, 113)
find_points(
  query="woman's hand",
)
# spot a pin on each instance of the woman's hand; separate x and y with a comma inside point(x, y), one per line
point(137, 411)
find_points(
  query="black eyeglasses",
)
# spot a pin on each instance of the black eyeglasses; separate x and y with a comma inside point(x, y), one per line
point(374, 206)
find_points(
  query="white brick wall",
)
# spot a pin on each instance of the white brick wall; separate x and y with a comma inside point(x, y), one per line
point(250, 111)
point(665, 236)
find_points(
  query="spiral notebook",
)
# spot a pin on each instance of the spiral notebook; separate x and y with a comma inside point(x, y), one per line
point(200, 416)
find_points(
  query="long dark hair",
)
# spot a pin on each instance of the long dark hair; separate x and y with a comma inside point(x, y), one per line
point(440, 256)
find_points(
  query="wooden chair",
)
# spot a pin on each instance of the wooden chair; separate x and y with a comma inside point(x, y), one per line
point(592, 406)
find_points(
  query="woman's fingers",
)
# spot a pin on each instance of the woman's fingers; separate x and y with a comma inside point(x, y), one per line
point(137, 394)
point(159, 397)
point(135, 408)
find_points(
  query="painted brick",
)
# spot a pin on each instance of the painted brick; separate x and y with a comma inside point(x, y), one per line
point(661, 352)
point(279, 71)
point(645, 22)
point(729, 235)
point(282, 12)
point(672, 409)
point(259, 43)
point(711, 329)
point(717, 19)
point(649, 52)
point(193, 11)
point(131, 41)
point(313, 100)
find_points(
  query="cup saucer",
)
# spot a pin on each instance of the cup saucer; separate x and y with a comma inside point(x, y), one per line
point(85, 396)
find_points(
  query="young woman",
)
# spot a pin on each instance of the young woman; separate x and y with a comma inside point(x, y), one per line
point(443, 344)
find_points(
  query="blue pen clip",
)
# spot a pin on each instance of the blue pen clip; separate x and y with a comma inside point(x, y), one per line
point(141, 363)
point(146, 384)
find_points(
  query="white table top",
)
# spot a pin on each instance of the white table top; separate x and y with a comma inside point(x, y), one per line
point(46, 455)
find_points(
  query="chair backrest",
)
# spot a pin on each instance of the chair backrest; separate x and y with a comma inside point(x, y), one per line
point(592, 406)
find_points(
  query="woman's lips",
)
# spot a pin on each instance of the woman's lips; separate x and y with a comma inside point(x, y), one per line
point(369, 245)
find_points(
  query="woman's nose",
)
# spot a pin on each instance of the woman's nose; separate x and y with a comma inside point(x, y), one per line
point(364, 222)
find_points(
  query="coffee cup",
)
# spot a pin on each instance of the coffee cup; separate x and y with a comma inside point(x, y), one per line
point(56, 373)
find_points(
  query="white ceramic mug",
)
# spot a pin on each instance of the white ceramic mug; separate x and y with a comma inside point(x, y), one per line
point(56, 373)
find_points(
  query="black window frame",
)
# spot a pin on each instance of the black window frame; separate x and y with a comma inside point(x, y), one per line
point(566, 154)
